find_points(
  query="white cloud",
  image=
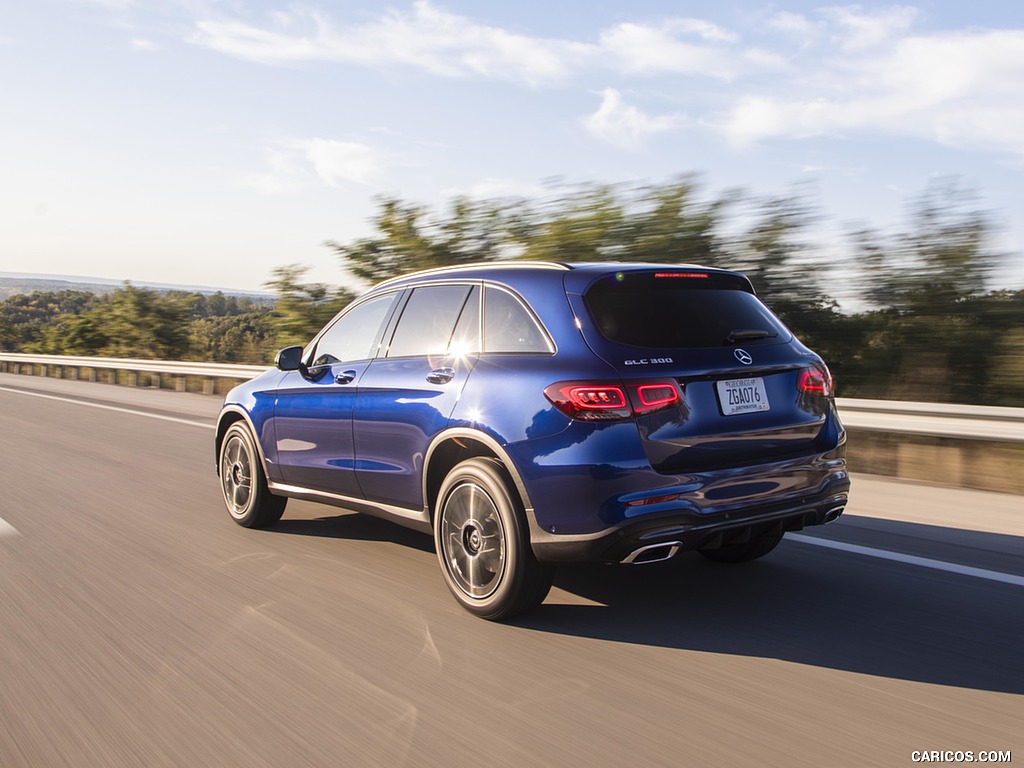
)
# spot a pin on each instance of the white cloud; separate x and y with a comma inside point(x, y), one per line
point(624, 125)
point(835, 71)
point(439, 42)
point(143, 45)
point(959, 89)
point(794, 24)
point(856, 30)
point(335, 162)
point(285, 174)
point(450, 45)
point(297, 164)
point(642, 48)
point(114, 5)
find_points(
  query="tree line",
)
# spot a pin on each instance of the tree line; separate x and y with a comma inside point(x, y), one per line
point(904, 314)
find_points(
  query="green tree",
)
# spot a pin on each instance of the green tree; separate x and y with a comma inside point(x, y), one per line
point(141, 322)
point(585, 223)
point(408, 239)
point(672, 225)
point(943, 255)
point(775, 252)
point(302, 309)
point(24, 317)
point(935, 331)
point(243, 337)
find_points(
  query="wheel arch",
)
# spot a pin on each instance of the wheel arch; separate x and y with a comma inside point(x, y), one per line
point(232, 414)
point(458, 444)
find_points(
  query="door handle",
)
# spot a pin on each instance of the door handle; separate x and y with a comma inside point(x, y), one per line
point(441, 375)
point(344, 377)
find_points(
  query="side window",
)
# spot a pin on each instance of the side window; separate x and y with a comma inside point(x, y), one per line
point(466, 339)
point(354, 334)
point(509, 326)
point(428, 320)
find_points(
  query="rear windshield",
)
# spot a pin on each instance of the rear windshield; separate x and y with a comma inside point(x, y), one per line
point(677, 310)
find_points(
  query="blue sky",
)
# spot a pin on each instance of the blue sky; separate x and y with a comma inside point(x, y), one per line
point(207, 141)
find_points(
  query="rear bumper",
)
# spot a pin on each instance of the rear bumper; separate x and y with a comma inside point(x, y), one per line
point(692, 531)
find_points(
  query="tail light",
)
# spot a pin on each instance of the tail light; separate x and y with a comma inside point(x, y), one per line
point(605, 401)
point(816, 381)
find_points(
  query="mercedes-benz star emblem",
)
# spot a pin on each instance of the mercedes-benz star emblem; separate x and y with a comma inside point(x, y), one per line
point(743, 356)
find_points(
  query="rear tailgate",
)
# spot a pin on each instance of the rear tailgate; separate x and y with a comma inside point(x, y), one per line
point(738, 368)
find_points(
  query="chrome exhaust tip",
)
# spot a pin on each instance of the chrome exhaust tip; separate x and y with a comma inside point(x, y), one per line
point(832, 515)
point(653, 553)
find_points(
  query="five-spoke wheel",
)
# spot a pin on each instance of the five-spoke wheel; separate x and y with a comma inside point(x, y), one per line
point(243, 483)
point(483, 543)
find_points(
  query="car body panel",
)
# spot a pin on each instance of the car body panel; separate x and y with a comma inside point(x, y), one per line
point(314, 442)
point(398, 414)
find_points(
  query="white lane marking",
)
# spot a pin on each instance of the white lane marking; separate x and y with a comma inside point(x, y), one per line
point(6, 529)
point(899, 557)
point(110, 408)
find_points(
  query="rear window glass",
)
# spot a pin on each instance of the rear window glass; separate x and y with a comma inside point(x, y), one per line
point(671, 312)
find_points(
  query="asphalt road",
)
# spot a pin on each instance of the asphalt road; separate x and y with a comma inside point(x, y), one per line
point(139, 626)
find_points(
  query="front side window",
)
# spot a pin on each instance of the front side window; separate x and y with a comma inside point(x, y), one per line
point(428, 320)
point(509, 327)
point(355, 334)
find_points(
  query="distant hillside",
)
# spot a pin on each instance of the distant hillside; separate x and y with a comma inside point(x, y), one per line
point(12, 283)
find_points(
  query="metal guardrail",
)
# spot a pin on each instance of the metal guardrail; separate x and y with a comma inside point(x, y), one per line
point(177, 370)
point(973, 422)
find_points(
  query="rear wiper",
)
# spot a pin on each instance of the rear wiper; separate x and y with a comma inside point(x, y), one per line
point(749, 334)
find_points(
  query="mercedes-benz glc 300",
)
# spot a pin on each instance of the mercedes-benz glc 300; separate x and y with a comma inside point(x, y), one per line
point(530, 414)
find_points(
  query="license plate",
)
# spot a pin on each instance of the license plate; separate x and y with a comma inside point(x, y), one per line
point(742, 396)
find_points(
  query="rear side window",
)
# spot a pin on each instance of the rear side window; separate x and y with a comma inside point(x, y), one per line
point(678, 310)
point(428, 320)
point(510, 327)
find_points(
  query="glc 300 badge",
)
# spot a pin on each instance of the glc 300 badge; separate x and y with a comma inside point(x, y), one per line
point(645, 361)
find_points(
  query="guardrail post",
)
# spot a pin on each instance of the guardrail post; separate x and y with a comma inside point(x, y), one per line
point(181, 384)
point(208, 385)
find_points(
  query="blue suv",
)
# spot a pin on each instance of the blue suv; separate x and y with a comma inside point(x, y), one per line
point(529, 414)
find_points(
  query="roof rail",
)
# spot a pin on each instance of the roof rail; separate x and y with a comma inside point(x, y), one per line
point(510, 264)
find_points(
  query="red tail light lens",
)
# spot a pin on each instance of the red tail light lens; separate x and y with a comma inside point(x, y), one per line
point(589, 401)
point(815, 381)
point(599, 401)
point(652, 397)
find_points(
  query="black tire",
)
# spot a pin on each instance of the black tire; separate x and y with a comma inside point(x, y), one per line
point(483, 543)
point(759, 546)
point(242, 482)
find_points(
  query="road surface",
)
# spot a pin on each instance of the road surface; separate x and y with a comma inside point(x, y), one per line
point(140, 626)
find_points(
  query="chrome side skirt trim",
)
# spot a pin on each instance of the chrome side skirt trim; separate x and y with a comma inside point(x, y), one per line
point(417, 519)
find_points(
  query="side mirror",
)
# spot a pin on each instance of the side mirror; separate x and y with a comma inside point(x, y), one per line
point(289, 359)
